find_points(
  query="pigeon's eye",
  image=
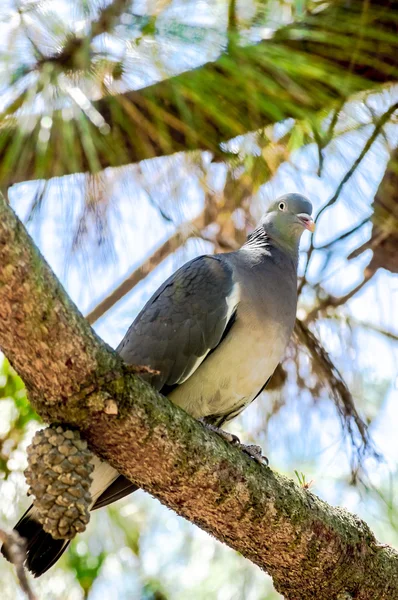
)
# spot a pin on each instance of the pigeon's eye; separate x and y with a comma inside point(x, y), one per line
point(282, 206)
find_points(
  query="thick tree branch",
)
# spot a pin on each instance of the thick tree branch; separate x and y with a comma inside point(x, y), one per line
point(304, 68)
point(311, 549)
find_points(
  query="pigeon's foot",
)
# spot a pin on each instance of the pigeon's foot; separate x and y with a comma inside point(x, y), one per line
point(254, 452)
point(225, 435)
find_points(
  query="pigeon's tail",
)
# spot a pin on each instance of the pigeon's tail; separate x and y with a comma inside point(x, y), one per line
point(42, 551)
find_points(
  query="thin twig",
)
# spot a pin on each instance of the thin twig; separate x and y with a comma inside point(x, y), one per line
point(377, 238)
point(335, 301)
point(372, 327)
point(374, 117)
point(320, 144)
point(172, 244)
point(343, 236)
point(339, 389)
point(14, 548)
point(232, 31)
point(377, 129)
point(333, 121)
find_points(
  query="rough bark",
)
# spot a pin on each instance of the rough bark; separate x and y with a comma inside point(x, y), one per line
point(311, 549)
point(303, 69)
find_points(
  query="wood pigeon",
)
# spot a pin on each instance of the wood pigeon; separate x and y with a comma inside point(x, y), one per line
point(214, 331)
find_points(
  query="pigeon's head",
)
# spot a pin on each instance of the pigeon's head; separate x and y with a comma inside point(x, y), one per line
point(288, 216)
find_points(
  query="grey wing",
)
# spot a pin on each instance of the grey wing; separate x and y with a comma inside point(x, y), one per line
point(183, 321)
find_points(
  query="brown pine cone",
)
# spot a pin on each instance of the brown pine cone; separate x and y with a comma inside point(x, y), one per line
point(59, 477)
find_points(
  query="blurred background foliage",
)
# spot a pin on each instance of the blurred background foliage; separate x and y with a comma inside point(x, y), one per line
point(136, 134)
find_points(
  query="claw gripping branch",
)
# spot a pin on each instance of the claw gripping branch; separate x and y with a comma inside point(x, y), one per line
point(59, 477)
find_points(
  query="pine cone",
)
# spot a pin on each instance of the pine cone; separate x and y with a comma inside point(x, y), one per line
point(59, 477)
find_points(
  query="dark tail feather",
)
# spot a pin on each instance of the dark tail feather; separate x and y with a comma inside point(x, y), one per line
point(42, 551)
point(120, 488)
